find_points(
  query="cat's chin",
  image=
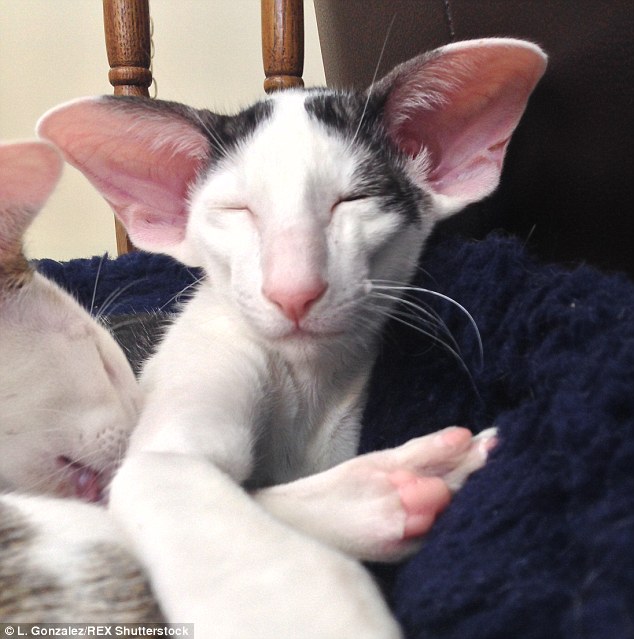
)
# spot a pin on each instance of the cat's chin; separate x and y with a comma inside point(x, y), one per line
point(304, 339)
point(302, 335)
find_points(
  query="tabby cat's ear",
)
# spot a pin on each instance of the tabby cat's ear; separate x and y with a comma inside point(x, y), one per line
point(453, 111)
point(142, 155)
point(29, 171)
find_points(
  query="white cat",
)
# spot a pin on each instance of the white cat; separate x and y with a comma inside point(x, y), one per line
point(68, 402)
point(68, 397)
point(308, 212)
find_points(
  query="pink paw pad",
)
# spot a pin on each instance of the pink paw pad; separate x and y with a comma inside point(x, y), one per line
point(423, 499)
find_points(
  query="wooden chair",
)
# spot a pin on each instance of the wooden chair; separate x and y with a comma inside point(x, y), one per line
point(128, 44)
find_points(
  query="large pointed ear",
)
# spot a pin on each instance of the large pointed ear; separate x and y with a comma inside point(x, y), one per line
point(453, 111)
point(29, 172)
point(142, 156)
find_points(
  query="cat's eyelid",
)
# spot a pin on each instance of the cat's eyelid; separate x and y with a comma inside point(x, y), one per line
point(352, 197)
point(231, 207)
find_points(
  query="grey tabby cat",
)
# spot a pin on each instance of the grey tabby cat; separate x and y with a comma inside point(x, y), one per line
point(68, 402)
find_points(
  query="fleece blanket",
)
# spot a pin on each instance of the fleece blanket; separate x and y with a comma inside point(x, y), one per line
point(540, 543)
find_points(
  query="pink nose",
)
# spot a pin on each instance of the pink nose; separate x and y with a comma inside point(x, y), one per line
point(295, 302)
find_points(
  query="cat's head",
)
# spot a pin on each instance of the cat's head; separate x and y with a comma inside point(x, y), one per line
point(68, 398)
point(300, 205)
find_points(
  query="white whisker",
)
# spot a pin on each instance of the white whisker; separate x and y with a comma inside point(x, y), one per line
point(212, 134)
point(455, 353)
point(437, 322)
point(94, 288)
point(186, 288)
point(371, 87)
point(113, 297)
point(386, 285)
point(47, 411)
point(123, 323)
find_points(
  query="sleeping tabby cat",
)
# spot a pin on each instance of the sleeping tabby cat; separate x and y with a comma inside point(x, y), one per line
point(68, 402)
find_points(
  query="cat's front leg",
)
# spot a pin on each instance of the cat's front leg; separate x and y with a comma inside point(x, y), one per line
point(215, 557)
point(219, 561)
point(378, 506)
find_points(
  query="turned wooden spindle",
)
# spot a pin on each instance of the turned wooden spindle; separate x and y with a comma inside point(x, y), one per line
point(127, 29)
point(282, 43)
point(128, 45)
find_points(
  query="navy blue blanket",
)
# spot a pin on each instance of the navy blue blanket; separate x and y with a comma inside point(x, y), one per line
point(540, 543)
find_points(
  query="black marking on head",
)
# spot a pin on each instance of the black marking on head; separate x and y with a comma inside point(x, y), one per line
point(381, 166)
point(381, 170)
point(340, 111)
point(233, 130)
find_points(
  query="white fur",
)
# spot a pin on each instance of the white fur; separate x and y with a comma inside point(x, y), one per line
point(62, 530)
point(66, 391)
point(262, 378)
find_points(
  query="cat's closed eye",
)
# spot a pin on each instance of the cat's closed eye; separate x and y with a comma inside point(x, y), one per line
point(353, 197)
point(218, 210)
point(345, 199)
point(233, 208)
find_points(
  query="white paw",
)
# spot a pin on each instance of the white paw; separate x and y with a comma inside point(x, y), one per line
point(378, 506)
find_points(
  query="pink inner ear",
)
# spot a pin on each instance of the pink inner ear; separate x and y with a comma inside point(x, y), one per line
point(147, 190)
point(142, 162)
point(460, 108)
point(29, 172)
point(469, 146)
